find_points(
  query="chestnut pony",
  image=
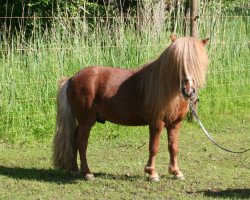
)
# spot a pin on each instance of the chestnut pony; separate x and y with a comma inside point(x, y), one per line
point(157, 95)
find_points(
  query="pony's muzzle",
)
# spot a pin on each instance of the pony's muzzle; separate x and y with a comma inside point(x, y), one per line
point(187, 88)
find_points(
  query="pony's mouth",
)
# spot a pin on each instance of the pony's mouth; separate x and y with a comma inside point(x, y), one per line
point(188, 94)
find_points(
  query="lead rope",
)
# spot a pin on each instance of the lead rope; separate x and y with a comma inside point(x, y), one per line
point(191, 104)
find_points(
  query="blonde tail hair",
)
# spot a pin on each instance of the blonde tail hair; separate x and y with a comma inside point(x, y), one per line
point(64, 145)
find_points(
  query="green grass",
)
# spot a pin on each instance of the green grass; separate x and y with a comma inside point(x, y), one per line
point(117, 156)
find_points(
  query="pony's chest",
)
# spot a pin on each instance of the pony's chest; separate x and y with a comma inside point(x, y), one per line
point(176, 113)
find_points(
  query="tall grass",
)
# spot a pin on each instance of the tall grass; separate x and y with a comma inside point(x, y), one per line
point(30, 67)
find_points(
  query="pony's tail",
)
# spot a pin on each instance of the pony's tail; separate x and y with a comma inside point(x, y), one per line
point(64, 145)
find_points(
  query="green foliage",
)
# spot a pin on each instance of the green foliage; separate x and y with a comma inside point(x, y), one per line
point(20, 8)
point(24, 13)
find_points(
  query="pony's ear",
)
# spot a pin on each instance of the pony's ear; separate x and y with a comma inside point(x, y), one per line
point(205, 41)
point(173, 37)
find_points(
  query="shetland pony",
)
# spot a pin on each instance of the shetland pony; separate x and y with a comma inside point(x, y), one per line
point(157, 95)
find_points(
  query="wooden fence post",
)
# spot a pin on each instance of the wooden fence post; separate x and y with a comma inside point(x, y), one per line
point(193, 18)
point(194, 33)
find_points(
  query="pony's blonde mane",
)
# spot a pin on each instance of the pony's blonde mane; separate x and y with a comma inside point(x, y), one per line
point(160, 80)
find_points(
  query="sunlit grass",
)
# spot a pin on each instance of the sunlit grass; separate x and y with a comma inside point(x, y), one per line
point(117, 156)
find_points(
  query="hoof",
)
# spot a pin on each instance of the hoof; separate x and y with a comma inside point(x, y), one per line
point(154, 178)
point(89, 177)
point(179, 176)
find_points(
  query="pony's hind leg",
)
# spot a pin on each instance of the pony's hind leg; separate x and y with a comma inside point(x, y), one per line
point(82, 144)
point(173, 133)
point(74, 167)
point(155, 132)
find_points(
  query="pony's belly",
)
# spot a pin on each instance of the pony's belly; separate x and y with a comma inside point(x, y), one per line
point(127, 119)
point(129, 122)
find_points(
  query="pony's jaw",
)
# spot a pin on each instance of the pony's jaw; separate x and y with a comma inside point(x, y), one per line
point(188, 88)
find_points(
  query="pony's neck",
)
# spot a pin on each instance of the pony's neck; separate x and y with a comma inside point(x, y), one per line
point(152, 81)
point(159, 90)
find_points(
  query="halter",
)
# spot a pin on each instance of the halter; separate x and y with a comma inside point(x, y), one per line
point(191, 104)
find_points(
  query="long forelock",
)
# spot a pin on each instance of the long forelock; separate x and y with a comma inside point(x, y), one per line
point(191, 59)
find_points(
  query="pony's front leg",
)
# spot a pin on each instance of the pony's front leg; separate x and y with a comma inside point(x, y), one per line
point(155, 132)
point(173, 133)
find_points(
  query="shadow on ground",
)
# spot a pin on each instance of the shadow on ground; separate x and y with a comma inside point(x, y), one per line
point(225, 194)
point(56, 176)
point(46, 175)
